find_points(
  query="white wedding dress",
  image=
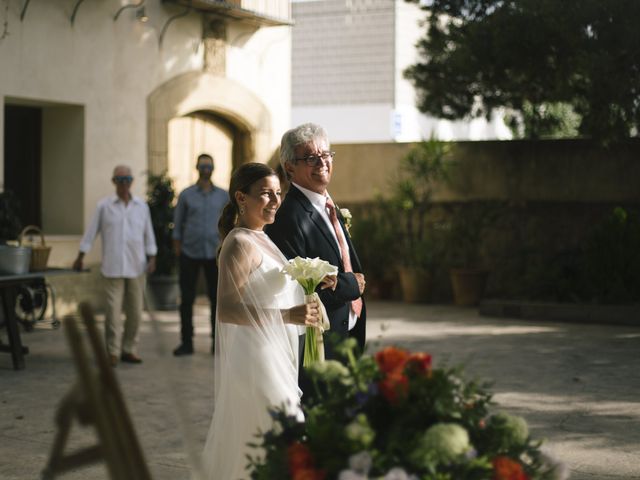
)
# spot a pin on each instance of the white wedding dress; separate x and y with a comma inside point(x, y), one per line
point(256, 359)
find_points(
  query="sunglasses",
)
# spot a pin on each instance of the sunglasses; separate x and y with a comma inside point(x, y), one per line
point(205, 167)
point(123, 179)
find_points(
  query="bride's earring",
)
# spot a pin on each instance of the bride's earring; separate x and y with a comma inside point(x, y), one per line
point(241, 211)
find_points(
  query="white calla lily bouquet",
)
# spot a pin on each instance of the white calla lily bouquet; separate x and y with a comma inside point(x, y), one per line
point(309, 272)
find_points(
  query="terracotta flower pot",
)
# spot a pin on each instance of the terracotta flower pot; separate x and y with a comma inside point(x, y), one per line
point(416, 284)
point(468, 285)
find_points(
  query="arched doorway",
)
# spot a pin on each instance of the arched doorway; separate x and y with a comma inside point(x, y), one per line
point(196, 133)
point(198, 111)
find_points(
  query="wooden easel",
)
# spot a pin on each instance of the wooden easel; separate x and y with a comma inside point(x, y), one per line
point(95, 400)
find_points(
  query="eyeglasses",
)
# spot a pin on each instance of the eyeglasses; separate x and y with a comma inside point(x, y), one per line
point(205, 167)
point(313, 160)
point(123, 179)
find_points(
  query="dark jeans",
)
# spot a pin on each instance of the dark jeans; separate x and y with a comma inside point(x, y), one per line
point(189, 269)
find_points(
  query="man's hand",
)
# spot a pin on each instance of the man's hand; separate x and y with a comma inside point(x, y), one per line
point(361, 282)
point(330, 281)
point(151, 265)
point(177, 247)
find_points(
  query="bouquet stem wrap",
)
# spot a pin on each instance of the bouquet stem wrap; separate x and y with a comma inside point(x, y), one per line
point(313, 340)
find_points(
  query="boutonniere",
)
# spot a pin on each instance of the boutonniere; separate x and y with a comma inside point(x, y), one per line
point(346, 215)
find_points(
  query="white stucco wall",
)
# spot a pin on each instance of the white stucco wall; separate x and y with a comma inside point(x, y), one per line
point(108, 69)
point(360, 94)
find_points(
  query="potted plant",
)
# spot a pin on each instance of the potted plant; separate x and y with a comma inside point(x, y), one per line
point(10, 224)
point(420, 169)
point(373, 235)
point(464, 246)
point(163, 283)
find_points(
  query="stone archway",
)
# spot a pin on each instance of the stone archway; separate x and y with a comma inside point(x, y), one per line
point(203, 92)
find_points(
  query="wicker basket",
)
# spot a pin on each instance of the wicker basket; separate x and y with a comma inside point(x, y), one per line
point(39, 253)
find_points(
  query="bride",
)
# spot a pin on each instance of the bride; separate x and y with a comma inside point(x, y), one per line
point(259, 314)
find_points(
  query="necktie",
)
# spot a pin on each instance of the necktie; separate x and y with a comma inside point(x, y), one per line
point(356, 305)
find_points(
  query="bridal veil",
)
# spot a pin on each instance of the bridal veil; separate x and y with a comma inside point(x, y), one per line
point(256, 356)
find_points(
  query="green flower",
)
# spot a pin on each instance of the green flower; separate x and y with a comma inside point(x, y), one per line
point(359, 430)
point(346, 346)
point(442, 443)
point(507, 431)
point(330, 371)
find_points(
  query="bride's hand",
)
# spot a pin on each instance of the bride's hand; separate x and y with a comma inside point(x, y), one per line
point(330, 281)
point(305, 314)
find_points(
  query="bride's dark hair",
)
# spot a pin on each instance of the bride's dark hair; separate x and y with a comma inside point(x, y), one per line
point(241, 180)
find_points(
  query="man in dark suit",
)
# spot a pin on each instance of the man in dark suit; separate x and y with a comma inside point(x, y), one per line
point(309, 225)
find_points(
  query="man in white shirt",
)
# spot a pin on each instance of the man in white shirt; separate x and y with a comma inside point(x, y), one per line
point(128, 251)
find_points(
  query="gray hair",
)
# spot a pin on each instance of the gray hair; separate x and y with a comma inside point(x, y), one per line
point(122, 167)
point(300, 135)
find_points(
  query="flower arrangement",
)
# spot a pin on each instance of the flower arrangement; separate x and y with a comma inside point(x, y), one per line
point(394, 416)
point(309, 272)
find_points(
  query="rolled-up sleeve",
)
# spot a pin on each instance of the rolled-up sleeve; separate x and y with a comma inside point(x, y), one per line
point(92, 230)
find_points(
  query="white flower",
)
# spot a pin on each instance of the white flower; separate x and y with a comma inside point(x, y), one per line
point(351, 475)
point(556, 470)
point(309, 270)
point(360, 463)
point(396, 473)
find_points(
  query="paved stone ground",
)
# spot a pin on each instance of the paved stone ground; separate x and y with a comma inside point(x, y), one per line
point(577, 385)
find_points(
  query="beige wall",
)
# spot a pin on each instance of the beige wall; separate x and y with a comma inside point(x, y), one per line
point(95, 78)
point(518, 171)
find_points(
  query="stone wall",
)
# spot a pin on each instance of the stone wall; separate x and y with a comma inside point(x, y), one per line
point(546, 196)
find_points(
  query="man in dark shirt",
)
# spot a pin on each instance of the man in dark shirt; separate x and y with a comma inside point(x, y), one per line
point(195, 239)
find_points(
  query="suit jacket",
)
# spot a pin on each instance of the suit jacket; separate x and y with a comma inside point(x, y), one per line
point(299, 230)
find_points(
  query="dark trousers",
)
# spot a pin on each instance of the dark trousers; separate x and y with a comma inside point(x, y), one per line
point(189, 269)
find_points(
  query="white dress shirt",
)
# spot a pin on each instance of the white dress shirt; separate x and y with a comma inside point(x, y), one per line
point(319, 202)
point(127, 236)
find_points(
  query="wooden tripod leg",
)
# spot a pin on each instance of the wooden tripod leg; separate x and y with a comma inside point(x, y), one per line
point(127, 452)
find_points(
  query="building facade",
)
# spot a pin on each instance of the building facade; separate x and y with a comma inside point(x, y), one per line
point(86, 86)
point(347, 63)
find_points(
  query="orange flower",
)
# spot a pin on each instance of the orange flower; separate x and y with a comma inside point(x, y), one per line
point(419, 363)
point(391, 359)
point(309, 474)
point(394, 387)
point(298, 458)
point(505, 468)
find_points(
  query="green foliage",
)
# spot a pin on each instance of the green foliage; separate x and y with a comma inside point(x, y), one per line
point(161, 199)
point(420, 169)
point(611, 267)
point(604, 270)
point(546, 120)
point(10, 224)
point(464, 233)
point(375, 239)
point(372, 414)
point(532, 56)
